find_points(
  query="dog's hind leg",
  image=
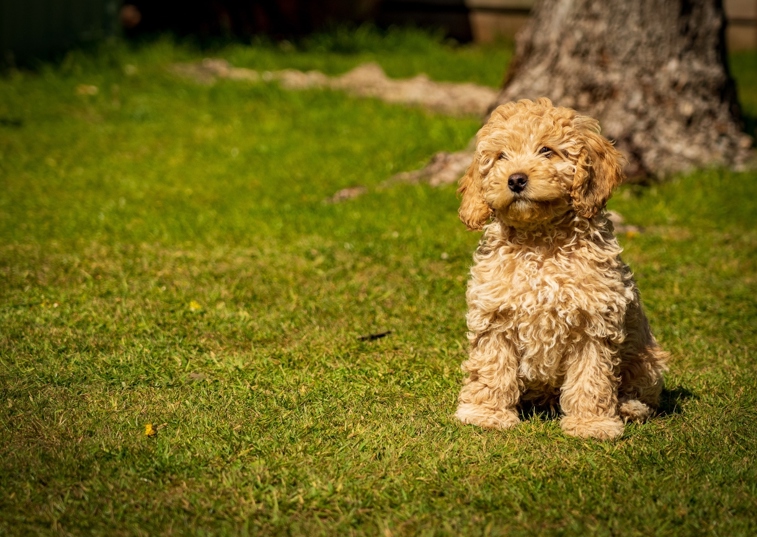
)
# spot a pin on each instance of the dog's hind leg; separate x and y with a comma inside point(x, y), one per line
point(491, 392)
point(642, 365)
point(641, 383)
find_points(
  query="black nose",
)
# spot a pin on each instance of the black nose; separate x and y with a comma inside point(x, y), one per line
point(517, 182)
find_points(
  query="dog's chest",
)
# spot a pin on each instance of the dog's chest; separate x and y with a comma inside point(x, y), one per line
point(547, 303)
point(532, 287)
point(543, 300)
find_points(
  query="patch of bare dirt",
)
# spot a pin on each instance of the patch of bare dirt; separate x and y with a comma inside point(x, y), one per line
point(346, 194)
point(367, 80)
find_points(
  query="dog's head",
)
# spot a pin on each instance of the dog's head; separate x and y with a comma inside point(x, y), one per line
point(535, 162)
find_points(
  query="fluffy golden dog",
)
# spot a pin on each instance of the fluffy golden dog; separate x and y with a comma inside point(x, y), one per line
point(554, 314)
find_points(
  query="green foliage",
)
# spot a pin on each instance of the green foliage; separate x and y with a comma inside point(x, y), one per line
point(166, 258)
point(368, 38)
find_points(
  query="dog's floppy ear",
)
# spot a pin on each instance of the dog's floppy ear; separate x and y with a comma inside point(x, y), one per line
point(598, 171)
point(474, 211)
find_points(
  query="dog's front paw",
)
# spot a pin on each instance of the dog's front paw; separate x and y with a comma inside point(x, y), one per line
point(486, 417)
point(601, 428)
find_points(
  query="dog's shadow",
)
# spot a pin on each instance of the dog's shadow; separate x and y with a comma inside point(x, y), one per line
point(672, 399)
point(546, 411)
point(671, 402)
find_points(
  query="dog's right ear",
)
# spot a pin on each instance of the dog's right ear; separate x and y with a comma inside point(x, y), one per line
point(474, 211)
point(599, 169)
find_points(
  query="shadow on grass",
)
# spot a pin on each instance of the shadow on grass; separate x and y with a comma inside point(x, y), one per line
point(671, 401)
point(546, 411)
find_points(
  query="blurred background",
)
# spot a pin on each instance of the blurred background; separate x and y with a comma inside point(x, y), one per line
point(40, 28)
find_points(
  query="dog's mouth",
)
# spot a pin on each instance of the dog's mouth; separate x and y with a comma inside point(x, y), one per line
point(521, 201)
point(521, 208)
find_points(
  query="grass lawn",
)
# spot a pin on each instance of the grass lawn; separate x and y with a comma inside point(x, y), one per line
point(166, 259)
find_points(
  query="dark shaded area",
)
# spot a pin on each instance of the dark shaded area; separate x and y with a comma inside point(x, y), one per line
point(451, 16)
point(672, 399)
point(33, 30)
point(750, 125)
point(44, 30)
point(239, 18)
point(14, 122)
point(544, 410)
point(287, 19)
point(374, 337)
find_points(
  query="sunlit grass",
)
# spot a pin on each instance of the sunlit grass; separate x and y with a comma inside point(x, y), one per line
point(167, 259)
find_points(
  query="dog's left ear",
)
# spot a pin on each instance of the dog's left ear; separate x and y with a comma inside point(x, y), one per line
point(599, 169)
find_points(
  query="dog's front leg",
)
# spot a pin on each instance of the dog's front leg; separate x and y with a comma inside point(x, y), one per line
point(589, 396)
point(491, 391)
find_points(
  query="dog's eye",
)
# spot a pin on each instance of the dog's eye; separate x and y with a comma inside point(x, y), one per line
point(503, 156)
point(546, 151)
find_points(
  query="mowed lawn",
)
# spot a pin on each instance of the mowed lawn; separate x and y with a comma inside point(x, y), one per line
point(168, 266)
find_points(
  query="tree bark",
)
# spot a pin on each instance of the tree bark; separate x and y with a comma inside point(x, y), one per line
point(653, 72)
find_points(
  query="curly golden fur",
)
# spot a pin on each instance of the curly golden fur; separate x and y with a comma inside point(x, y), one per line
point(554, 313)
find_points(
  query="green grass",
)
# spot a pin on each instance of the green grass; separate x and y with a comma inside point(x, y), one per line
point(166, 258)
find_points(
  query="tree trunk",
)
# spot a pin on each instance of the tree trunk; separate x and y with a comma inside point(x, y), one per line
point(653, 72)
